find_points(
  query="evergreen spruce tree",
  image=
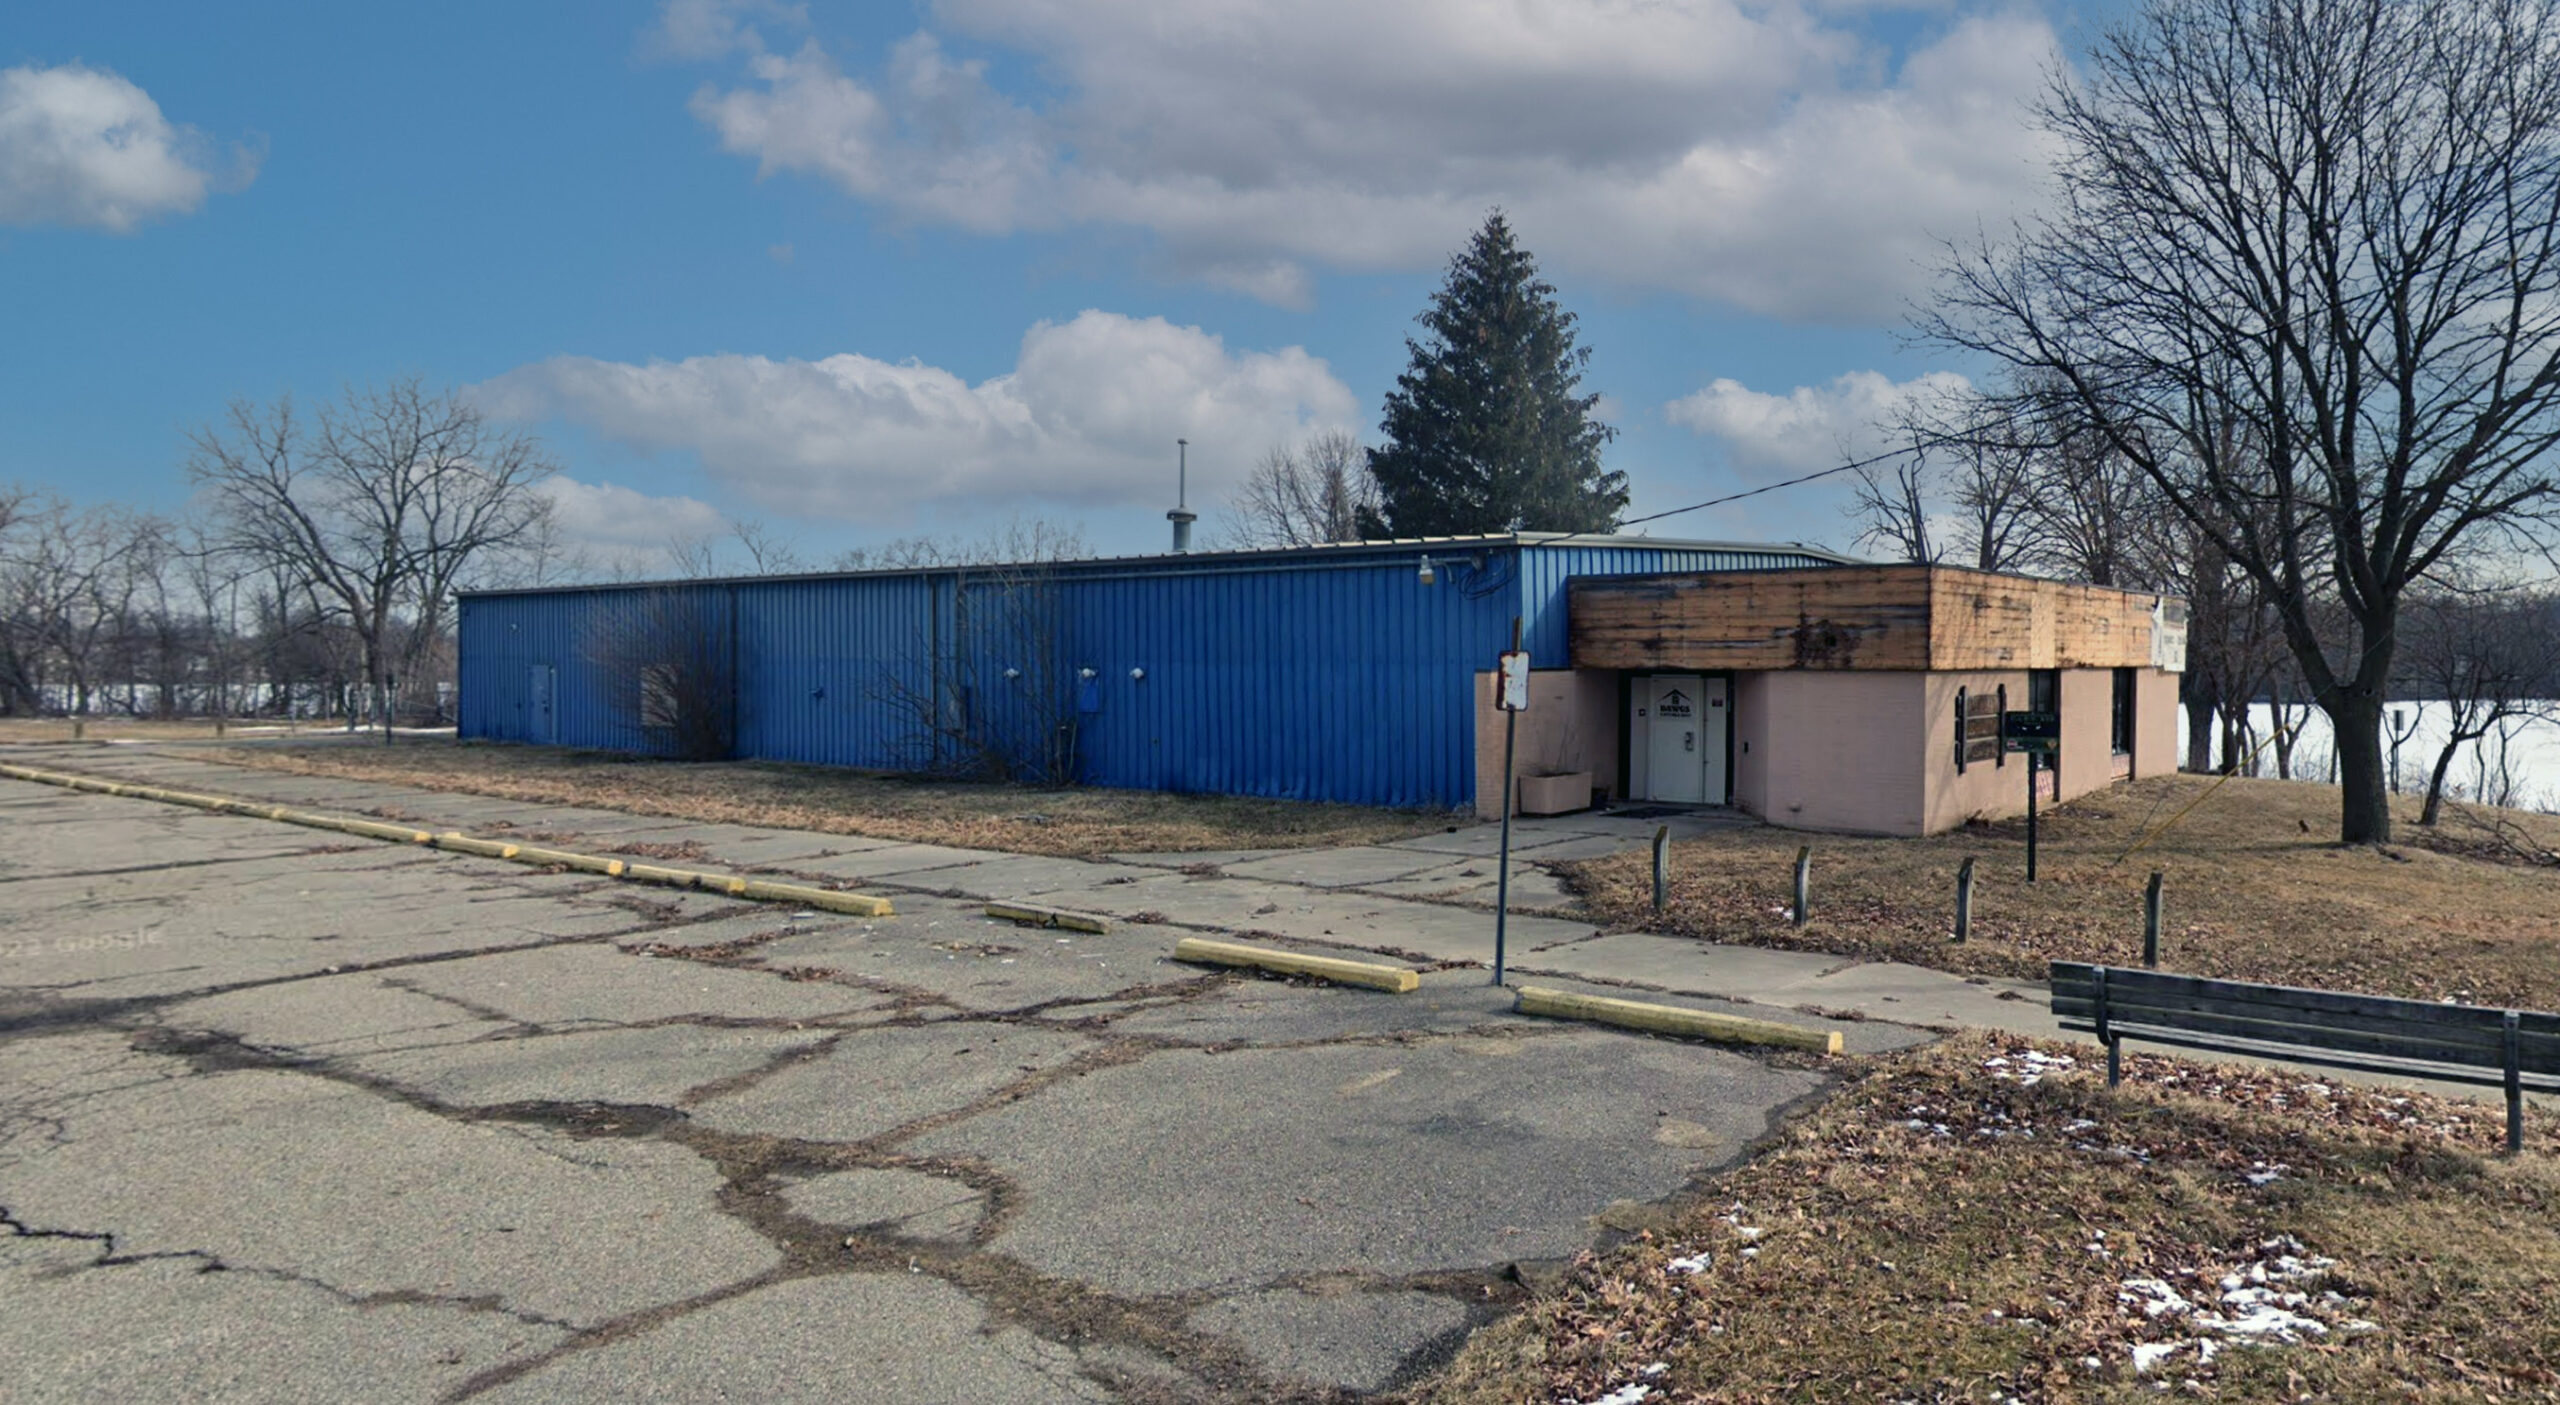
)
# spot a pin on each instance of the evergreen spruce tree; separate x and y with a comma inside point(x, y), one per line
point(1484, 433)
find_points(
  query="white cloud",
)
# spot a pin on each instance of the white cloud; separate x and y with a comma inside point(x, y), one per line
point(617, 523)
point(1087, 416)
point(709, 29)
point(1808, 428)
point(1765, 156)
point(85, 147)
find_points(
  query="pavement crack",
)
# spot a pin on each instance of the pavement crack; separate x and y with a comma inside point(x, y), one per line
point(513, 1028)
point(781, 1061)
point(21, 1017)
point(170, 865)
point(108, 1255)
point(1111, 1054)
point(605, 1333)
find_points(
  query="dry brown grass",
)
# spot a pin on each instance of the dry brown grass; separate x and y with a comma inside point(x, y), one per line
point(2256, 889)
point(1944, 1230)
point(1079, 823)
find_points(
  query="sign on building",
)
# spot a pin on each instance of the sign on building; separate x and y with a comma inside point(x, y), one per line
point(1514, 693)
point(2169, 635)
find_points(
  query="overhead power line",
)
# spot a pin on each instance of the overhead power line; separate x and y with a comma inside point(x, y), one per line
point(1920, 444)
point(1773, 487)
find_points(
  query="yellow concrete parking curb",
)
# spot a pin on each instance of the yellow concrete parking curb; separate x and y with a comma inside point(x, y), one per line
point(1392, 979)
point(1672, 1019)
point(562, 858)
point(731, 885)
point(461, 843)
point(827, 899)
point(371, 829)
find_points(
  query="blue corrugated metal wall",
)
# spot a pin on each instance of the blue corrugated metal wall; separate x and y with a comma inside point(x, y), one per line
point(1326, 676)
point(1545, 568)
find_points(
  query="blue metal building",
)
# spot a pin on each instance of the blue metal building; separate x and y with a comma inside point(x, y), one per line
point(1340, 673)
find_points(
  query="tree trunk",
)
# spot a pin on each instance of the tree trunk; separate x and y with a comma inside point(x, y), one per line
point(2200, 710)
point(2435, 781)
point(2363, 782)
point(2282, 713)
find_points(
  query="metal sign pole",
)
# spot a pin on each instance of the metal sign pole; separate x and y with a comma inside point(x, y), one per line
point(2036, 734)
point(1511, 687)
point(2031, 815)
point(1502, 881)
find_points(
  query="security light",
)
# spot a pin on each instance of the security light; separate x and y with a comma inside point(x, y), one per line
point(1427, 575)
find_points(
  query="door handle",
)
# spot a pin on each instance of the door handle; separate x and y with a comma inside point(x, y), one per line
point(1688, 741)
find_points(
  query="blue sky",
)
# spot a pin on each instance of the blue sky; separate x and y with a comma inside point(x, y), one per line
point(866, 271)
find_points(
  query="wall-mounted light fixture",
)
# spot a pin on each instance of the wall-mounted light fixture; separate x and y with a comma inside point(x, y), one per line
point(1137, 675)
point(1084, 673)
point(1427, 575)
point(1012, 673)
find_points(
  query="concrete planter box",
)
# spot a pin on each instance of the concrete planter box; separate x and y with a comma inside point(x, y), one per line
point(1555, 795)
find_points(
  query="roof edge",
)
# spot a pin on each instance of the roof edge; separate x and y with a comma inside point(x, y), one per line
point(1173, 562)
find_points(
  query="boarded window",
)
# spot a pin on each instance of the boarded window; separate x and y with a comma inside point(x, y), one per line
point(1977, 728)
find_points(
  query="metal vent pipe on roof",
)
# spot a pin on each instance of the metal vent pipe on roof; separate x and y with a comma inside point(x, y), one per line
point(1182, 516)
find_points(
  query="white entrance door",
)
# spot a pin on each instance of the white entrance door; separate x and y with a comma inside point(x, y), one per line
point(1685, 722)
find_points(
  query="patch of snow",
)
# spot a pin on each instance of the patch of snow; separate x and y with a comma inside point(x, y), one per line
point(1626, 1395)
point(2253, 1304)
point(2027, 1067)
point(1694, 1263)
point(2149, 1354)
point(2154, 1296)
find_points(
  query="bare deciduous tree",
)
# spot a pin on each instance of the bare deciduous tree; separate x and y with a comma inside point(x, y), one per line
point(2490, 658)
point(1959, 493)
point(1305, 494)
point(2095, 515)
point(377, 513)
point(669, 655)
point(1896, 503)
point(995, 694)
point(70, 582)
point(748, 548)
point(2335, 224)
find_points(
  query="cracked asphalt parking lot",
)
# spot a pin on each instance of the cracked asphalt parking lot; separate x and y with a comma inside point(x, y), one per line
point(285, 1118)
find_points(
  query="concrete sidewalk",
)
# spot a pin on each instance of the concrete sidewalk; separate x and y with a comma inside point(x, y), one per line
point(1427, 899)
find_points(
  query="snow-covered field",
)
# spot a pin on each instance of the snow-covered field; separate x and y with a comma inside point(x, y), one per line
point(2517, 764)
